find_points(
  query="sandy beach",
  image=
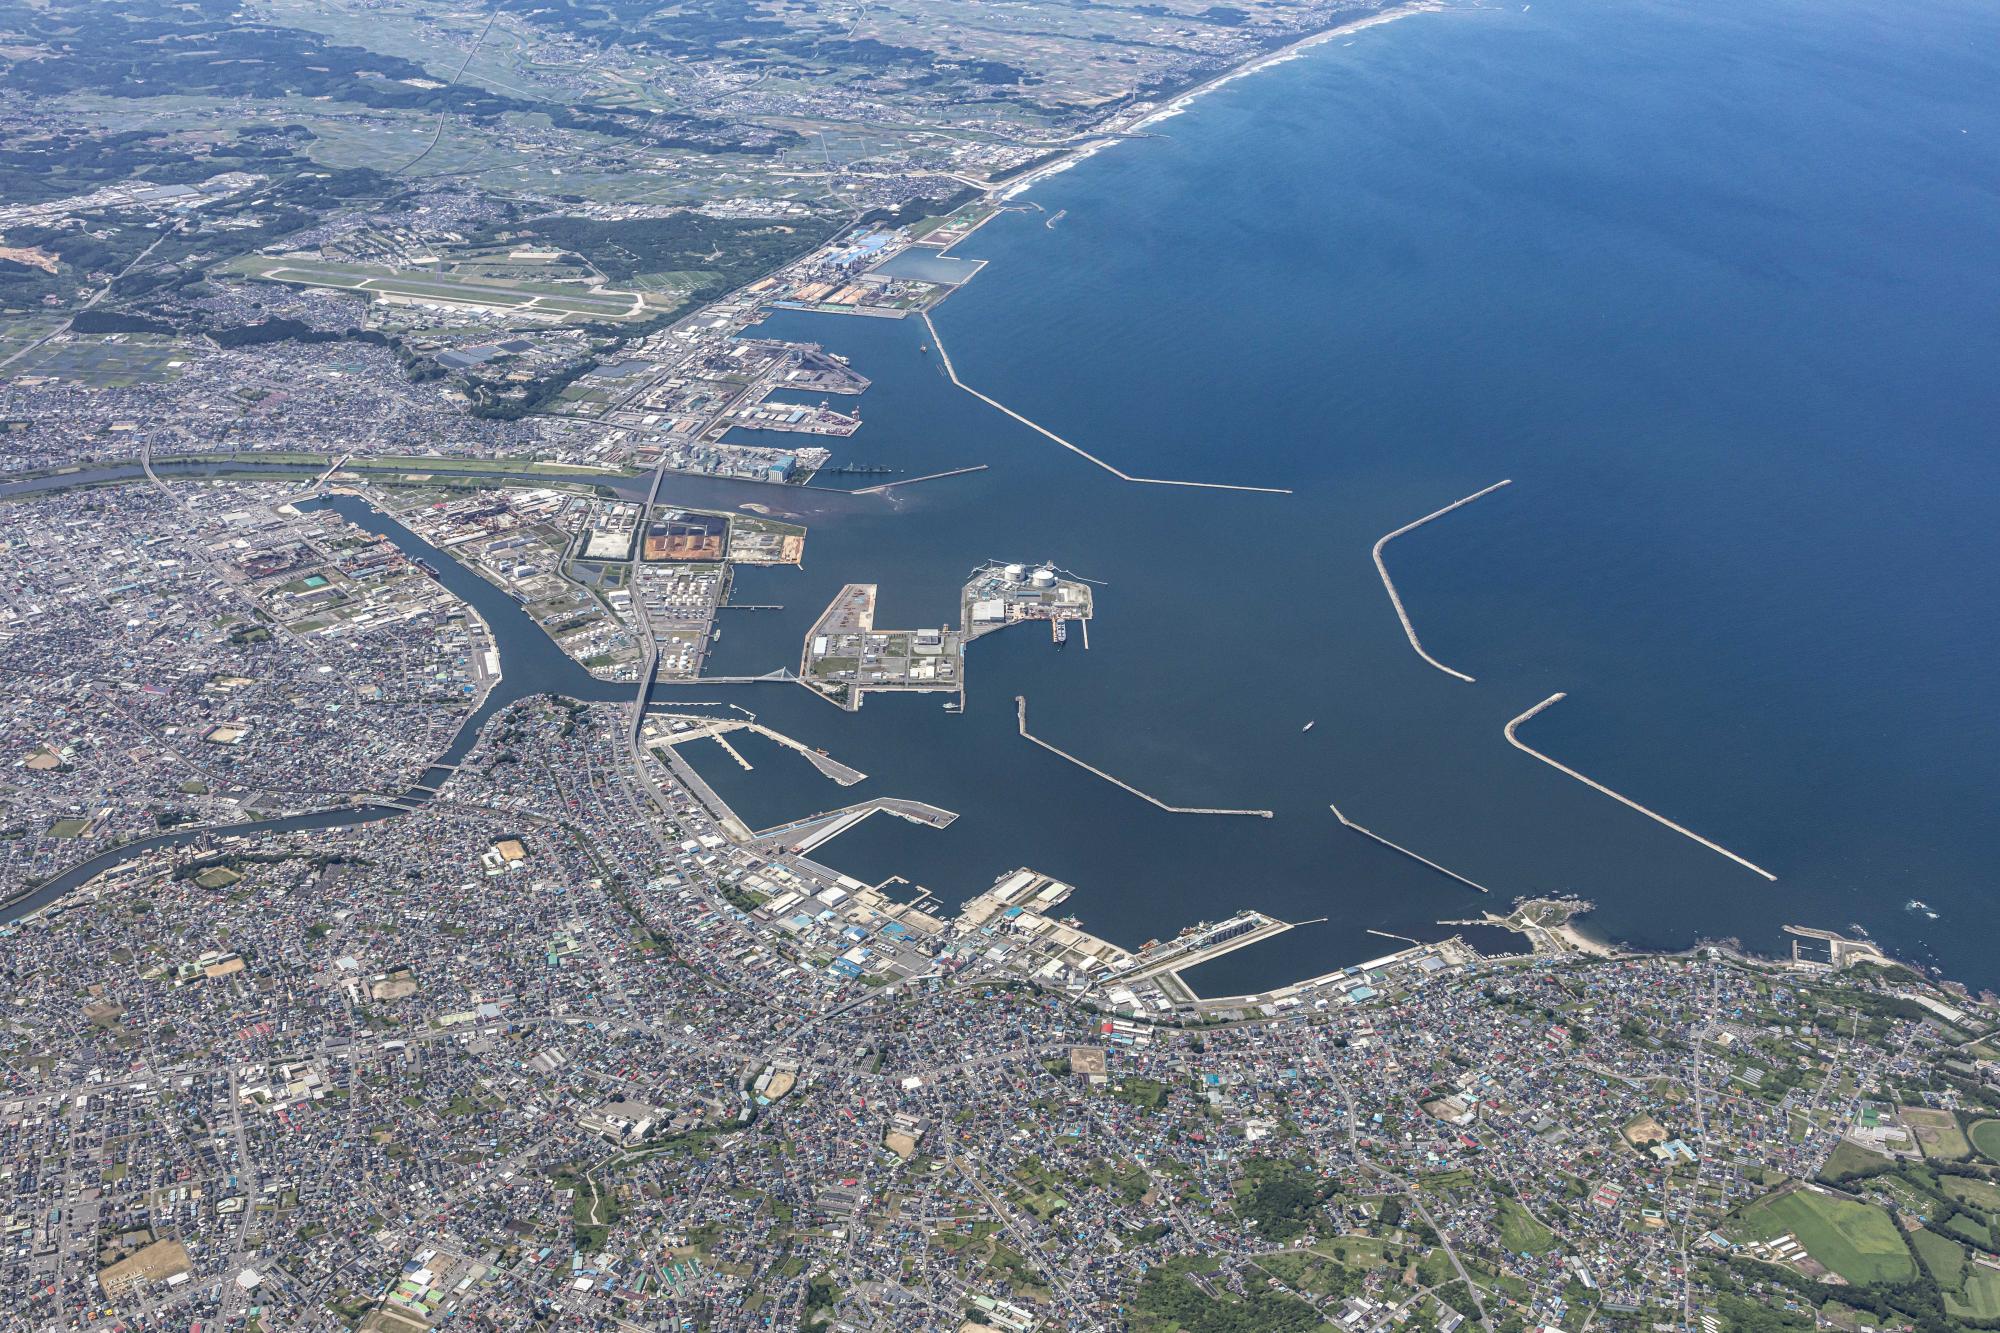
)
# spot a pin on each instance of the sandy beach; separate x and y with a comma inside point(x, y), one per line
point(1180, 102)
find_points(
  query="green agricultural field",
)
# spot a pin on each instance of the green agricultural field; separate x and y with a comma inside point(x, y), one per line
point(1981, 1194)
point(1857, 1241)
point(1986, 1138)
point(1980, 1298)
point(1942, 1255)
point(1520, 1232)
point(1849, 1156)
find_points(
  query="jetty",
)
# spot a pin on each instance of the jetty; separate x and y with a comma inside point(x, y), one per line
point(1525, 748)
point(1345, 822)
point(951, 372)
point(1021, 713)
point(1389, 584)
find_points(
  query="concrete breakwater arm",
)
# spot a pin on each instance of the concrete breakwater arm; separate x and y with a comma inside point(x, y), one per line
point(1396, 847)
point(1522, 746)
point(944, 358)
point(1390, 584)
point(880, 487)
point(1021, 711)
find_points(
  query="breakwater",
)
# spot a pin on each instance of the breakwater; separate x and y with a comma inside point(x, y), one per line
point(994, 403)
point(1021, 712)
point(1398, 847)
point(1654, 815)
point(1389, 584)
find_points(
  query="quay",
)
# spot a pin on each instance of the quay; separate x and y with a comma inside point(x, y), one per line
point(717, 729)
point(1397, 847)
point(718, 809)
point(801, 836)
point(1389, 584)
point(1204, 945)
point(1021, 713)
point(1340, 984)
point(1522, 746)
point(1841, 951)
point(952, 373)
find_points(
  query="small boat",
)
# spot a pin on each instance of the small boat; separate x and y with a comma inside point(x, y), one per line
point(1308, 727)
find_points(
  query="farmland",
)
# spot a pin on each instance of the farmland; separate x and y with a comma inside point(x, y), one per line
point(1855, 1240)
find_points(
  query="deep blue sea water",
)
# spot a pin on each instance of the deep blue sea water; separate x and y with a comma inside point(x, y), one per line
point(1713, 283)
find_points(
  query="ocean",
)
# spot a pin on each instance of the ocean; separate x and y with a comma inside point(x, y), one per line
point(1712, 284)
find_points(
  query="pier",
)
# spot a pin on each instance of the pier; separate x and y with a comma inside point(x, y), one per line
point(951, 372)
point(1021, 711)
point(1389, 584)
point(1397, 847)
point(1525, 748)
point(731, 751)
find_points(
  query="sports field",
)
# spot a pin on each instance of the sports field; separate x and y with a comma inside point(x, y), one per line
point(1986, 1138)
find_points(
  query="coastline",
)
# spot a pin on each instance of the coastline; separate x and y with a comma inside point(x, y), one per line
point(1117, 129)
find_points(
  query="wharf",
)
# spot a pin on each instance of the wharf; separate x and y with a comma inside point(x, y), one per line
point(1342, 983)
point(1202, 946)
point(801, 836)
point(717, 808)
point(718, 728)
